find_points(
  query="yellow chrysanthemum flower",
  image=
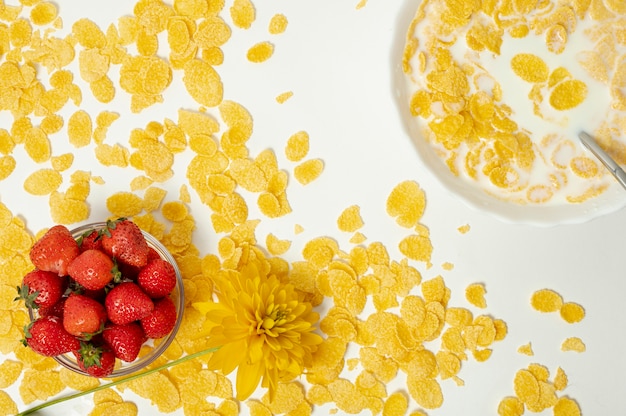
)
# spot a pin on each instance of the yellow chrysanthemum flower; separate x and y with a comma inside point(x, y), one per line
point(263, 327)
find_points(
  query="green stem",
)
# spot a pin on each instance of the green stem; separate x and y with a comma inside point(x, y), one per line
point(116, 382)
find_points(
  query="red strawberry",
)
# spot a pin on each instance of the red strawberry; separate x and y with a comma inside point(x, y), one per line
point(83, 316)
point(162, 319)
point(124, 241)
point(126, 302)
point(90, 241)
point(93, 270)
point(55, 250)
point(157, 279)
point(124, 340)
point(47, 336)
point(41, 288)
point(94, 360)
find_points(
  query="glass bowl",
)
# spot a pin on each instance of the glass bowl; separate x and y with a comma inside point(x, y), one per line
point(146, 356)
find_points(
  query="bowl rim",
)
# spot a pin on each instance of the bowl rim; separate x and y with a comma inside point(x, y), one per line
point(158, 345)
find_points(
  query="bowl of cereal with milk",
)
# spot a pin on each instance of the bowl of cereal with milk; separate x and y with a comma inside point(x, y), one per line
point(494, 95)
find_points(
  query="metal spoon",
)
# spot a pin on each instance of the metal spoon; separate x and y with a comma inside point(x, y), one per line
point(610, 164)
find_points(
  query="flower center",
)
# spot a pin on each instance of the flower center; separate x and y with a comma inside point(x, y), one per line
point(275, 317)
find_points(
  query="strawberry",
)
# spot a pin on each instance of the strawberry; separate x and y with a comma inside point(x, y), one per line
point(47, 337)
point(124, 241)
point(41, 288)
point(55, 250)
point(157, 278)
point(93, 270)
point(124, 340)
point(95, 360)
point(126, 302)
point(83, 316)
point(90, 240)
point(162, 319)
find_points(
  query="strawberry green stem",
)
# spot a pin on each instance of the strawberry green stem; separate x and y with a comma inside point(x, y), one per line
point(117, 382)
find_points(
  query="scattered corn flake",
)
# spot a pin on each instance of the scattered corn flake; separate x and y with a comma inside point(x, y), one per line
point(203, 83)
point(10, 370)
point(278, 24)
point(573, 344)
point(560, 379)
point(39, 385)
point(406, 203)
point(526, 349)
point(297, 146)
point(350, 219)
point(358, 238)
point(157, 388)
point(118, 409)
point(416, 247)
point(124, 204)
point(308, 171)
point(276, 246)
point(475, 294)
point(566, 407)
point(282, 97)
point(243, 13)
point(140, 183)
point(174, 211)
point(546, 300)
point(572, 312)
point(43, 182)
point(7, 405)
point(298, 229)
point(62, 162)
point(425, 391)
point(65, 210)
point(79, 128)
point(526, 387)
point(77, 381)
point(510, 406)
point(37, 145)
point(7, 166)
point(260, 52)
point(88, 34)
point(116, 155)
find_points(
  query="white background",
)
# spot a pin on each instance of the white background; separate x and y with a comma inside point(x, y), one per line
point(339, 61)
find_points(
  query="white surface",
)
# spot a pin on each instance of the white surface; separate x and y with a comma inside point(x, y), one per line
point(339, 62)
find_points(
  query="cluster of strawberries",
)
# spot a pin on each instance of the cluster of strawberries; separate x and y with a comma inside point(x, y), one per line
point(100, 296)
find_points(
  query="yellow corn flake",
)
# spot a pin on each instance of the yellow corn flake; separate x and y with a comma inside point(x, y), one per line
point(10, 371)
point(475, 294)
point(115, 155)
point(573, 344)
point(526, 387)
point(7, 405)
point(308, 171)
point(119, 409)
point(43, 13)
point(406, 203)
point(350, 219)
point(593, 63)
point(174, 211)
point(124, 204)
point(203, 83)
point(510, 406)
point(65, 210)
point(572, 312)
point(37, 145)
point(152, 198)
point(530, 68)
point(568, 94)
point(20, 32)
point(556, 38)
point(157, 388)
point(425, 391)
point(88, 34)
point(79, 128)
point(39, 385)
point(526, 349)
point(103, 89)
point(282, 97)
point(76, 380)
point(242, 13)
point(566, 407)
point(278, 24)
point(416, 247)
point(260, 52)
point(276, 246)
point(560, 379)
point(43, 182)
point(546, 300)
point(297, 146)
point(238, 119)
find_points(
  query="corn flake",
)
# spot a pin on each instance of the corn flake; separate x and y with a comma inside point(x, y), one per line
point(260, 52)
point(572, 312)
point(573, 344)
